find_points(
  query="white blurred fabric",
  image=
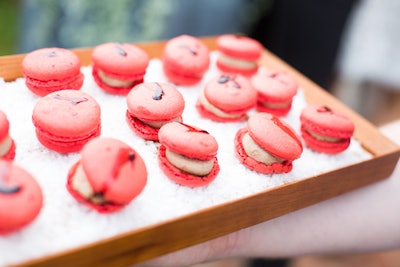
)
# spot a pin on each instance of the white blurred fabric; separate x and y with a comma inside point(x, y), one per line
point(370, 48)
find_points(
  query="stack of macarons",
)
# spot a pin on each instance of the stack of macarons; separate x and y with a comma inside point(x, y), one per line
point(326, 130)
point(118, 67)
point(150, 105)
point(185, 60)
point(51, 69)
point(188, 154)
point(275, 90)
point(238, 54)
point(66, 120)
point(267, 144)
point(227, 98)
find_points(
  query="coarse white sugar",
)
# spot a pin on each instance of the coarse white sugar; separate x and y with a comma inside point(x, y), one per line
point(63, 223)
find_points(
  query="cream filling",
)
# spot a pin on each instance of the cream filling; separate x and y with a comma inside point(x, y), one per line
point(237, 63)
point(112, 81)
point(256, 152)
point(193, 166)
point(5, 145)
point(81, 185)
point(213, 109)
point(159, 124)
point(324, 137)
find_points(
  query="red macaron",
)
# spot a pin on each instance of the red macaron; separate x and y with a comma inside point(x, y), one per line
point(66, 120)
point(325, 130)
point(185, 60)
point(238, 54)
point(7, 144)
point(276, 90)
point(267, 144)
point(227, 98)
point(151, 105)
point(21, 197)
point(188, 155)
point(108, 176)
point(117, 68)
point(51, 69)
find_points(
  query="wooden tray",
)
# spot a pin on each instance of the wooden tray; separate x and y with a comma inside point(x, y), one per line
point(148, 242)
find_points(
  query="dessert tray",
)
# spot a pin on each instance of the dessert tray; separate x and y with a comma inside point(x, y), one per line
point(167, 217)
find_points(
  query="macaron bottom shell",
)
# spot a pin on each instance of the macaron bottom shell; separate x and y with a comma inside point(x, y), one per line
point(181, 79)
point(284, 167)
point(324, 146)
point(42, 88)
point(183, 178)
point(65, 144)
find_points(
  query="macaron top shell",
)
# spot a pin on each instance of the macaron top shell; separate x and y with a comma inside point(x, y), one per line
point(186, 54)
point(239, 46)
point(67, 113)
point(275, 136)
point(325, 121)
point(21, 197)
point(120, 59)
point(155, 101)
point(4, 125)
point(274, 86)
point(54, 63)
point(231, 93)
point(114, 169)
point(189, 141)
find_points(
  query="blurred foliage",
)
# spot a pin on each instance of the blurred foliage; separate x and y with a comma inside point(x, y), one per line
point(8, 26)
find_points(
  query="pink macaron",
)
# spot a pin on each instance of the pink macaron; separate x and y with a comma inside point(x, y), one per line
point(227, 98)
point(238, 54)
point(108, 176)
point(151, 105)
point(276, 90)
point(117, 68)
point(7, 144)
point(188, 155)
point(325, 130)
point(185, 60)
point(21, 197)
point(267, 144)
point(51, 69)
point(66, 120)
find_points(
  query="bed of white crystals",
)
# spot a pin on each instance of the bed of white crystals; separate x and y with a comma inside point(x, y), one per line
point(63, 223)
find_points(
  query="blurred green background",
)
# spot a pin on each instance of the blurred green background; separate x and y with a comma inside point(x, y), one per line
point(8, 26)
